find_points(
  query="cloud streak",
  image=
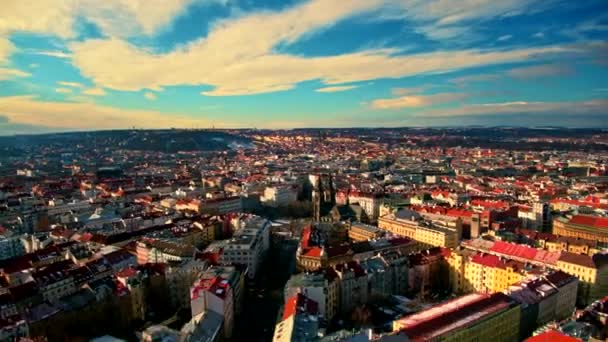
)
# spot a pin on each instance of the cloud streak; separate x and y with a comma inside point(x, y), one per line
point(599, 106)
point(8, 73)
point(416, 101)
point(27, 110)
point(336, 89)
point(538, 71)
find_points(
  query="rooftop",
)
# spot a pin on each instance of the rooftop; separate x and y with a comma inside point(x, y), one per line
point(455, 314)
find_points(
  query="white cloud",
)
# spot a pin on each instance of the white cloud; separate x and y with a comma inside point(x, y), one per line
point(336, 89)
point(523, 107)
point(474, 78)
point(116, 18)
point(41, 16)
point(445, 19)
point(504, 38)
point(250, 67)
point(150, 96)
point(71, 84)
point(540, 71)
point(7, 73)
point(538, 35)
point(94, 92)
point(408, 91)
point(63, 90)
point(6, 47)
point(88, 116)
point(123, 18)
point(415, 101)
point(56, 54)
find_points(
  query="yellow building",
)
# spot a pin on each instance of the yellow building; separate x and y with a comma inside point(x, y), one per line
point(399, 226)
point(587, 227)
point(426, 233)
point(474, 317)
point(476, 272)
point(364, 232)
point(437, 236)
point(592, 273)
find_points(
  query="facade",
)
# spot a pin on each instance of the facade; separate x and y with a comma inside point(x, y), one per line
point(279, 196)
point(586, 227)
point(180, 278)
point(592, 272)
point(322, 286)
point(486, 273)
point(221, 206)
point(214, 294)
point(55, 282)
point(429, 234)
point(353, 285)
point(428, 272)
point(369, 202)
point(474, 317)
point(159, 251)
point(248, 245)
point(11, 247)
point(363, 232)
point(323, 195)
point(298, 321)
point(536, 217)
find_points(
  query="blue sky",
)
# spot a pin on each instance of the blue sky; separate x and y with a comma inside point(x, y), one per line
point(87, 64)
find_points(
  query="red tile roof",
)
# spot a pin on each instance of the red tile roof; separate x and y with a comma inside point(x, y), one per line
point(487, 260)
point(593, 221)
point(511, 249)
point(552, 336)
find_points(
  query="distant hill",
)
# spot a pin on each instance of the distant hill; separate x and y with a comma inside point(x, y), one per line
point(169, 141)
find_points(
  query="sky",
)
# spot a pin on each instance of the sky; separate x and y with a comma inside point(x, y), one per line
point(70, 65)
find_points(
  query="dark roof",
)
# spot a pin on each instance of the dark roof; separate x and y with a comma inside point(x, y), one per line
point(577, 259)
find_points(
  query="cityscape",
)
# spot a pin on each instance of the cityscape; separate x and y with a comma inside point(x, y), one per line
point(303, 171)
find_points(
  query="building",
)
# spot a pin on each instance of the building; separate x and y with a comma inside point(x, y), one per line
point(279, 195)
point(536, 217)
point(214, 294)
point(299, 320)
point(323, 195)
point(592, 272)
point(584, 227)
point(322, 286)
point(410, 224)
point(55, 281)
point(13, 329)
point(370, 202)
point(428, 272)
point(159, 251)
point(205, 327)
point(248, 245)
point(221, 206)
point(11, 247)
point(236, 280)
point(486, 273)
point(353, 285)
point(180, 277)
point(358, 231)
point(315, 252)
point(474, 317)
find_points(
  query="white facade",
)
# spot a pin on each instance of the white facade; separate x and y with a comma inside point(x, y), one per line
point(248, 246)
point(369, 204)
point(278, 196)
